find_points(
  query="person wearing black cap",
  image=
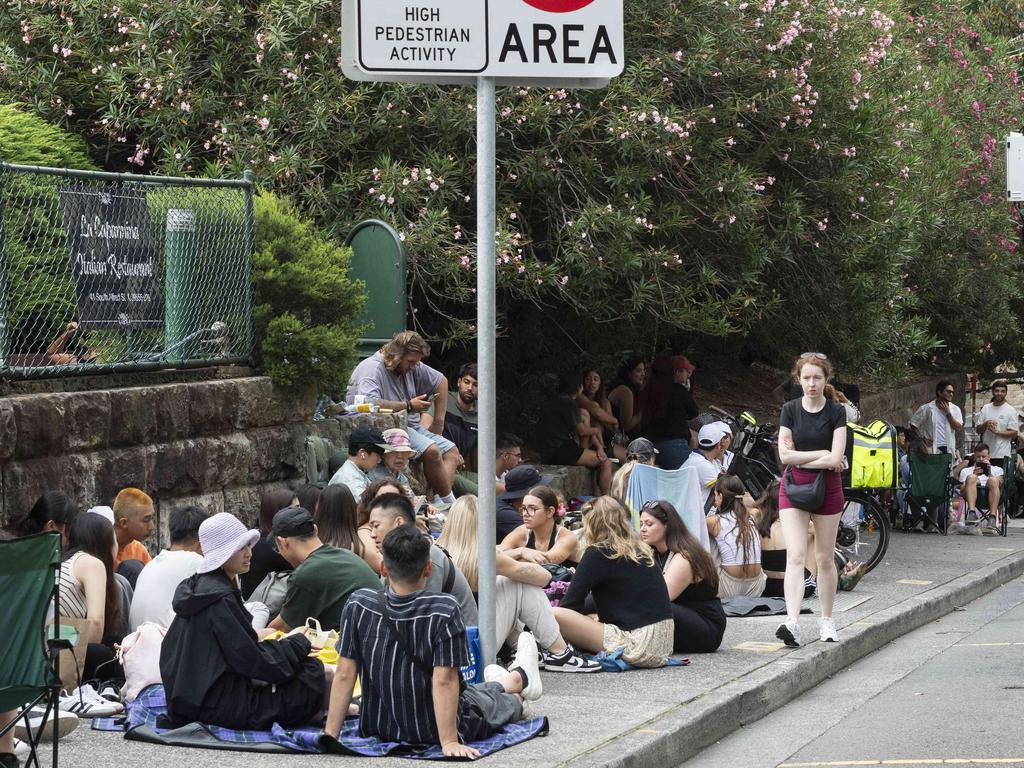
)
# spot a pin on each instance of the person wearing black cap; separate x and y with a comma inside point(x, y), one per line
point(324, 576)
point(518, 482)
point(366, 447)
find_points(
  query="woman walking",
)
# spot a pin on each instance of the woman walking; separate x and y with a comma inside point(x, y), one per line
point(812, 445)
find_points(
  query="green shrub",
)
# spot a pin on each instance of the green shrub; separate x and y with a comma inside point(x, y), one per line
point(305, 304)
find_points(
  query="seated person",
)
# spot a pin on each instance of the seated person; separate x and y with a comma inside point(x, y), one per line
point(366, 447)
point(624, 395)
point(336, 519)
point(739, 544)
point(323, 578)
point(518, 482)
point(563, 438)
point(134, 521)
point(707, 458)
point(509, 448)
point(68, 348)
point(396, 459)
point(396, 377)
point(981, 478)
point(414, 694)
point(668, 407)
point(541, 538)
point(214, 668)
point(392, 510)
point(593, 400)
point(266, 559)
point(639, 451)
point(91, 597)
point(519, 597)
point(690, 575)
point(460, 421)
point(773, 545)
point(377, 488)
point(155, 587)
point(633, 609)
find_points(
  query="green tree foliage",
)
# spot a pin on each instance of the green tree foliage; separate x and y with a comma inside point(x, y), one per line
point(776, 170)
point(305, 305)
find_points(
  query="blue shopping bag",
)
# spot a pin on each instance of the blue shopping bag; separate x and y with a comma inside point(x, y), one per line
point(474, 671)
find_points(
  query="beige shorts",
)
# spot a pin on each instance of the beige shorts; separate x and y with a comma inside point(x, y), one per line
point(730, 586)
point(645, 647)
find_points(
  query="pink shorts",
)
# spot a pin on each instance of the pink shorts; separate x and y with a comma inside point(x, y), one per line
point(834, 501)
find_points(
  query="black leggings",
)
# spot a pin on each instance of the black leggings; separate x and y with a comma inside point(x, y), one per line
point(695, 632)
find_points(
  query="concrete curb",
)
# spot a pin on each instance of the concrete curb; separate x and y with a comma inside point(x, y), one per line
point(677, 735)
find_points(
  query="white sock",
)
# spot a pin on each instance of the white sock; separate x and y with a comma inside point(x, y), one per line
point(449, 499)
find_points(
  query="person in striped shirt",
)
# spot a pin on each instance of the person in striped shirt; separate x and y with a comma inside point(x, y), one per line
point(407, 646)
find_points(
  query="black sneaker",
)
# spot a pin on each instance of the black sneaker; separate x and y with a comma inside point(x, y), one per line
point(569, 661)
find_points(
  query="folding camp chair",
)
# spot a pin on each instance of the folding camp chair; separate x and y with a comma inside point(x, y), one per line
point(930, 489)
point(28, 660)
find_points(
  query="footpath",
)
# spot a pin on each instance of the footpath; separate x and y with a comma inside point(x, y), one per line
point(660, 718)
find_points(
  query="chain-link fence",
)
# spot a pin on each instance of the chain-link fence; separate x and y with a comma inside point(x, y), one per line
point(115, 272)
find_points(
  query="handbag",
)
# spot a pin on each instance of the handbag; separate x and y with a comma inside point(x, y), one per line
point(806, 496)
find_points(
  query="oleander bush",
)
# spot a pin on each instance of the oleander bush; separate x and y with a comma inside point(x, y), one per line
point(797, 174)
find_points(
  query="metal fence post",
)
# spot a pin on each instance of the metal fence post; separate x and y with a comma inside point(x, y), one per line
point(4, 318)
point(250, 247)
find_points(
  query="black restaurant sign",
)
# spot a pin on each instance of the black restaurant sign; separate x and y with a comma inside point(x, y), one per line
point(117, 280)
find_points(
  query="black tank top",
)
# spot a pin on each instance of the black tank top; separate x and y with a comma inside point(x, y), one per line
point(531, 542)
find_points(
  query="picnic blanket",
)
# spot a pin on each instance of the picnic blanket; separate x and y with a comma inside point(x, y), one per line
point(140, 724)
point(740, 605)
point(680, 487)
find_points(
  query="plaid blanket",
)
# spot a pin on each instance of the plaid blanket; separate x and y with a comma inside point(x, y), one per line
point(140, 724)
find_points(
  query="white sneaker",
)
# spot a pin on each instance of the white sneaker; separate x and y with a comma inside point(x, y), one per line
point(65, 723)
point(526, 660)
point(827, 630)
point(21, 749)
point(494, 672)
point(85, 702)
point(789, 633)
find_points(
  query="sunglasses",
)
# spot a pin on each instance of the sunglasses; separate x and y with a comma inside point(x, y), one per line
point(818, 355)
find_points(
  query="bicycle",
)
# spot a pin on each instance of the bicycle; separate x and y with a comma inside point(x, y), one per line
point(864, 528)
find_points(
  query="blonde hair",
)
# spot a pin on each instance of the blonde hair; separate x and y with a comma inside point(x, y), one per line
point(131, 501)
point(459, 538)
point(609, 527)
point(620, 481)
point(401, 345)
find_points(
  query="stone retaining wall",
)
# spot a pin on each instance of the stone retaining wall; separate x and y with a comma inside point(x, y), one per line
point(219, 443)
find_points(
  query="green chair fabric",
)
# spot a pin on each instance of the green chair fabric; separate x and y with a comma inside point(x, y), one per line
point(928, 475)
point(28, 568)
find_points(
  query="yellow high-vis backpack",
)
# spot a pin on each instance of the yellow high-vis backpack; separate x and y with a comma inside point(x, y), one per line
point(872, 454)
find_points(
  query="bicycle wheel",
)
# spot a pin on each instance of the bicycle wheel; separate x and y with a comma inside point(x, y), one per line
point(863, 535)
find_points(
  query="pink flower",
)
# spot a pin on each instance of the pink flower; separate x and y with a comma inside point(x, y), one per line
point(264, 123)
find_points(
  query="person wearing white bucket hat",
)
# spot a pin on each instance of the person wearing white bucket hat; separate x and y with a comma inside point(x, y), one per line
point(214, 668)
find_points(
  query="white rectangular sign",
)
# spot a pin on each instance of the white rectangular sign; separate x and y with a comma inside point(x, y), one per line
point(456, 41)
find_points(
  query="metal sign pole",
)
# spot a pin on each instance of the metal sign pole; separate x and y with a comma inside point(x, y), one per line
point(485, 360)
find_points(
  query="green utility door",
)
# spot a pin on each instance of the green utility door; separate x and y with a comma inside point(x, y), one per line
point(378, 259)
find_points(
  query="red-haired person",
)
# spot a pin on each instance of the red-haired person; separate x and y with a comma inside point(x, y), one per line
point(812, 441)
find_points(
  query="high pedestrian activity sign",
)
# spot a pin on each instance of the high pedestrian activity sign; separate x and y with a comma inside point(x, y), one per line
point(456, 41)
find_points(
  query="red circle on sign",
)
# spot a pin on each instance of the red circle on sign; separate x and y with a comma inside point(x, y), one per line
point(558, 6)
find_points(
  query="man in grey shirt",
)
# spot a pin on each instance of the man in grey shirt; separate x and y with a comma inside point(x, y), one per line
point(396, 378)
point(391, 510)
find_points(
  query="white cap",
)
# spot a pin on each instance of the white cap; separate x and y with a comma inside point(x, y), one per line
point(220, 537)
point(105, 512)
point(711, 434)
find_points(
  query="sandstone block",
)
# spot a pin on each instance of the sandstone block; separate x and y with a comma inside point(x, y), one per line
point(119, 468)
point(212, 407)
point(8, 430)
point(40, 425)
point(86, 420)
point(25, 481)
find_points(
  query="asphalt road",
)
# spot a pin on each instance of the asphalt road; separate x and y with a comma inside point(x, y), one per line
point(950, 693)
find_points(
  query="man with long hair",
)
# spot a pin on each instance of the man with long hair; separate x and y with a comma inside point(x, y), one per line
point(396, 378)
